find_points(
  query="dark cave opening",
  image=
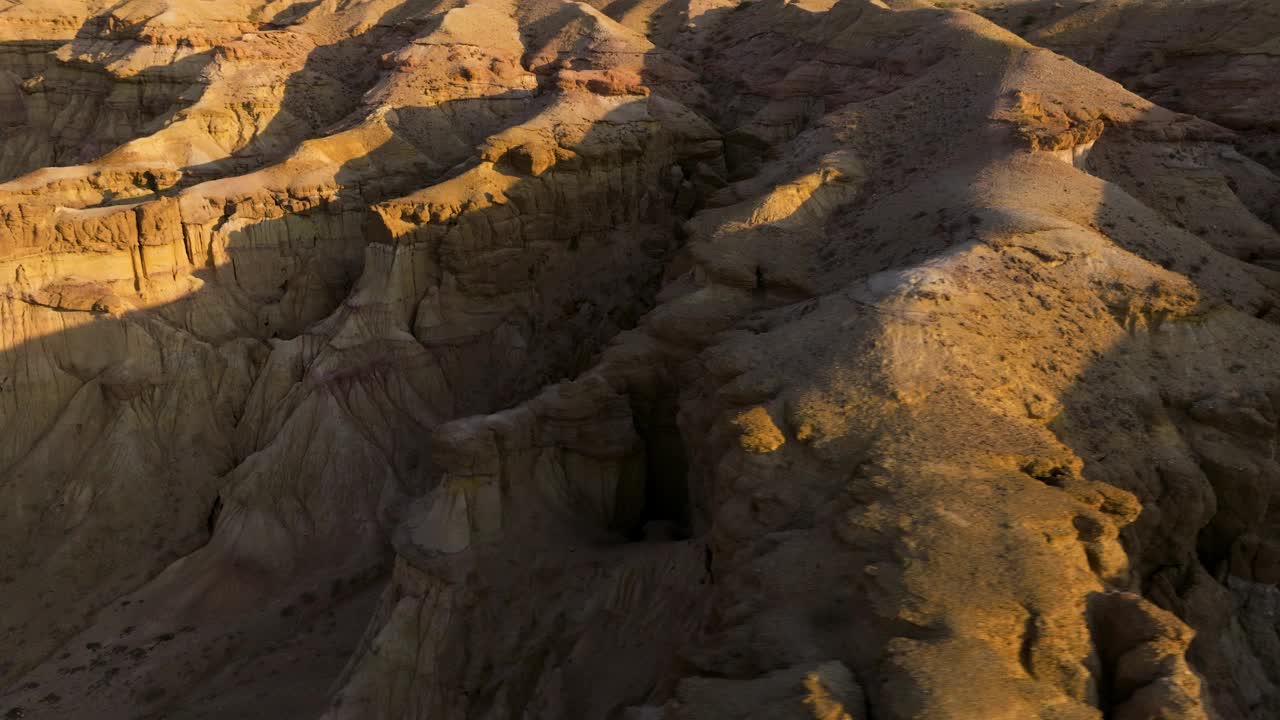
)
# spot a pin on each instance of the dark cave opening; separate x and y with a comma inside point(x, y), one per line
point(666, 513)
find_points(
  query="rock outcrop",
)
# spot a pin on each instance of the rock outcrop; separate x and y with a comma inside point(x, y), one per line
point(708, 360)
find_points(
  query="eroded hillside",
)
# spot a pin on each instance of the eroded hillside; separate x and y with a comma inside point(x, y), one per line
point(639, 360)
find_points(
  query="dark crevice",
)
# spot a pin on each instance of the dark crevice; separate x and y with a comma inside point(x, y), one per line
point(1104, 670)
point(1047, 472)
point(666, 513)
point(211, 521)
point(1213, 554)
point(1030, 636)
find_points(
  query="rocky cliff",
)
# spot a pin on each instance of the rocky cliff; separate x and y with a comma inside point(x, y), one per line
point(639, 360)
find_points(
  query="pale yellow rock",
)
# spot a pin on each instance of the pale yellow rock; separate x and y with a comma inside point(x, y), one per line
point(758, 433)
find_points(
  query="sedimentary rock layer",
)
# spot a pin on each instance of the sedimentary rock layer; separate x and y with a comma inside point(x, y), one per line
point(542, 359)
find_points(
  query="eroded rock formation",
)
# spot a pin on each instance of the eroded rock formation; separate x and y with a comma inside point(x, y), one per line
point(706, 360)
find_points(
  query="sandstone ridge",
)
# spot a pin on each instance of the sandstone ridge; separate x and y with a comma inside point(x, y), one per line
point(638, 360)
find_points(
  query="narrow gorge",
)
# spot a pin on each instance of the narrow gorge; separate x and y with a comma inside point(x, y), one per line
point(639, 359)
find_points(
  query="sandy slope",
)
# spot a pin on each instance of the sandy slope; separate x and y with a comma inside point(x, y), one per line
point(526, 358)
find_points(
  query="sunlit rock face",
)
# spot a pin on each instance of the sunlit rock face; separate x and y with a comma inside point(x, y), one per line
point(634, 360)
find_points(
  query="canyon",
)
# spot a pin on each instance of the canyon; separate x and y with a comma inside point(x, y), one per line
point(639, 359)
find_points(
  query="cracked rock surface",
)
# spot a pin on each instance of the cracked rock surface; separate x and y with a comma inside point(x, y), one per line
point(639, 360)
